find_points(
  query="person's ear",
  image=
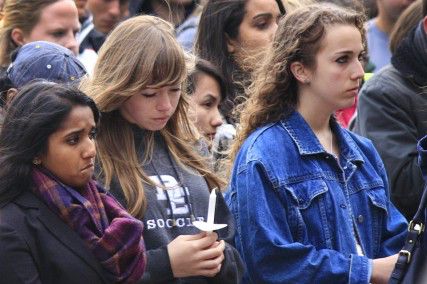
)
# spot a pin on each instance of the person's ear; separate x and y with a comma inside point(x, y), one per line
point(18, 36)
point(11, 93)
point(300, 72)
point(231, 44)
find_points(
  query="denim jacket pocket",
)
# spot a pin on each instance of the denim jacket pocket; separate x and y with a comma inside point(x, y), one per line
point(371, 217)
point(306, 191)
point(378, 198)
point(308, 214)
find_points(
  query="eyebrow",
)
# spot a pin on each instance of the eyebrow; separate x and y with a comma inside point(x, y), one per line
point(212, 97)
point(348, 52)
point(74, 131)
point(269, 15)
point(78, 131)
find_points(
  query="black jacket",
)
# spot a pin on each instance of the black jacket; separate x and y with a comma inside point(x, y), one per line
point(392, 112)
point(36, 246)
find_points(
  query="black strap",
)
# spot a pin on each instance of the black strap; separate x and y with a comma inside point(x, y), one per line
point(415, 233)
point(419, 217)
point(405, 257)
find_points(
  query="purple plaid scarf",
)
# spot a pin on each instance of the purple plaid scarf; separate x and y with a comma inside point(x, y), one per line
point(113, 236)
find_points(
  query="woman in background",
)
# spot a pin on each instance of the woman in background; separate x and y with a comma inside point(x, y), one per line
point(26, 21)
point(232, 35)
point(206, 88)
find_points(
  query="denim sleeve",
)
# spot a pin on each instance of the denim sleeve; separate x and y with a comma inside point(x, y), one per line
point(266, 244)
point(395, 226)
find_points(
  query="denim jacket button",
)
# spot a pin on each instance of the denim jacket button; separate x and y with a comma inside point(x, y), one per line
point(343, 206)
point(360, 219)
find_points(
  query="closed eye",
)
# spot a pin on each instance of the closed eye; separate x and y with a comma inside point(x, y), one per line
point(149, 95)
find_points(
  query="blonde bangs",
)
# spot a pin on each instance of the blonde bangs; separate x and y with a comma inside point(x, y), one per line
point(169, 67)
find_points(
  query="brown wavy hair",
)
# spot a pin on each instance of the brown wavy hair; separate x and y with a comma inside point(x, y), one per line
point(141, 51)
point(274, 92)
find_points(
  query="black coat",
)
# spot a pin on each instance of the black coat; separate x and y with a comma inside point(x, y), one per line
point(36, 246)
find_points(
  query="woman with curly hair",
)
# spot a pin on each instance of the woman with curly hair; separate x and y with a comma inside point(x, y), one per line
point(310, 196)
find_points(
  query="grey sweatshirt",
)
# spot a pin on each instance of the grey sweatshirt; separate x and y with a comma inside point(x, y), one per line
point(187, 196)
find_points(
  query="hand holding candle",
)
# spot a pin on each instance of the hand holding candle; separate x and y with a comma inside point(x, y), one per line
point(209, 226)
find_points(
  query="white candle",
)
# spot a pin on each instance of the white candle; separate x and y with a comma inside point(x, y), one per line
point(211, 208)
point(210, 226)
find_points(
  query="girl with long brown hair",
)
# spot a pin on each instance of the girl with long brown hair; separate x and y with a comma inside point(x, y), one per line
point(148, 160)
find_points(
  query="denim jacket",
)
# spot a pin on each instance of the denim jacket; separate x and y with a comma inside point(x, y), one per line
point(300, 210)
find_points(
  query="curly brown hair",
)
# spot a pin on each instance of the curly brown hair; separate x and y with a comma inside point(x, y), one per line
point(274, 92)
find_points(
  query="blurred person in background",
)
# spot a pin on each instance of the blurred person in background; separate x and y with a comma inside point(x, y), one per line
point(379, 29)
point(392, 109)
point(26, 21)
point(98, 19)
point(183, 14)
point(38, 60)
point(206, 89)
point(233, 35)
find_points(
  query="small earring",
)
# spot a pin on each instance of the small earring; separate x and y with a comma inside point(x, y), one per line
point(37, 161)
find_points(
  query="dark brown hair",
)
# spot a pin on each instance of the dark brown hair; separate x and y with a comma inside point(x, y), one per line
point(205, 67)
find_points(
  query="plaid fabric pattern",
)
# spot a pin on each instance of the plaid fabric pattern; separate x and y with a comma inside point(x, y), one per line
point(113, 235)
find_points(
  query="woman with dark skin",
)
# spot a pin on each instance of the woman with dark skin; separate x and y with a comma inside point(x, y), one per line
point(57, 225)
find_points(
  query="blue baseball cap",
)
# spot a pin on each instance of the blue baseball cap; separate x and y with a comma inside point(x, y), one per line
point(44, 60)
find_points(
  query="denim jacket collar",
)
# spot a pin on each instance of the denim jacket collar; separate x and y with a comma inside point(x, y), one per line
point(308, 144)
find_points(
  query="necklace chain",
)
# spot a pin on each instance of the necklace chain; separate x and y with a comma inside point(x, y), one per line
point(331, 141)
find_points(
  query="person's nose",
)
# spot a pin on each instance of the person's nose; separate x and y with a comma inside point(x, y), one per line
point(216, 120)
point(164, 103)
point(89, 150)
point(357, 72)
point(114, 8)
point(71, 43)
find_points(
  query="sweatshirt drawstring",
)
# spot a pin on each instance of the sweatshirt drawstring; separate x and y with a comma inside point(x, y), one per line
point(169, 204)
